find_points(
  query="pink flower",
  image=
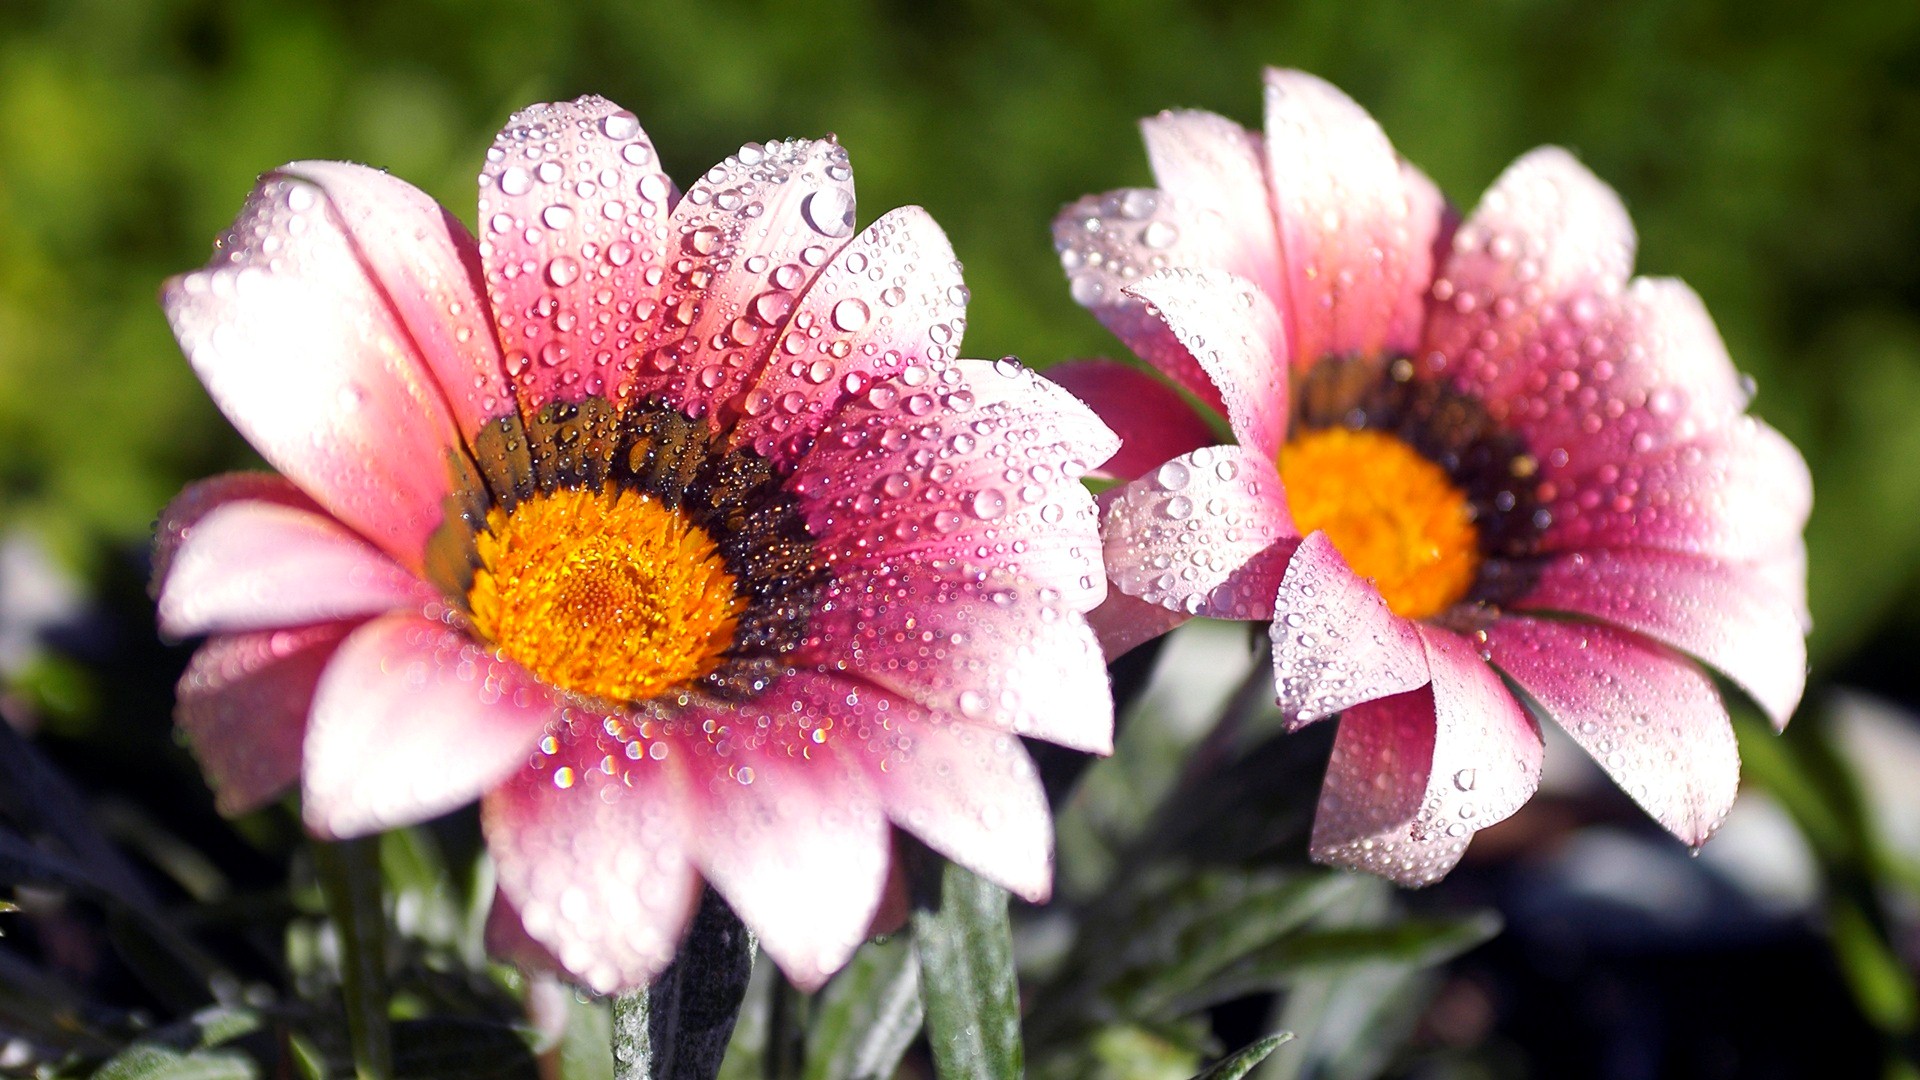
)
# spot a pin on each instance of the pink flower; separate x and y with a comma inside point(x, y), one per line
point(669, 526)
point(1479, 474)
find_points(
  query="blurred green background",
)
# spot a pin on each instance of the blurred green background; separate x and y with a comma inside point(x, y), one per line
point(1770, 153)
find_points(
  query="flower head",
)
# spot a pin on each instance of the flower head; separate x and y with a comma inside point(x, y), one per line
point(668, 525)
point(1478, 472)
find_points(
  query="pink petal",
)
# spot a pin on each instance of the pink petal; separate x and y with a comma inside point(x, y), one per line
point(428, 267)
point(1153, 421)
point(1108, 242)
point(573, 230)
point(591, 844)
point(1210, 162)
point(1596, 377)
point(1741, 493)
point(250, 565)
point(1335, 643)
point(202, 497)
point(750, 237)
point(1207, 533)
point(1726, 614)
point(1122, 623)
point(302, 349)
point(1233, 332)
point(1412, 776)
point(242, 705)
point(1651, 718)
point(411, 719)
point(1377, 777)
point(507, 939)
point(1547, 231)
point(891, 299)
point(980, 467)
point(792, 832)
point(969, 791)
point(990, 649)
point(1356, 238)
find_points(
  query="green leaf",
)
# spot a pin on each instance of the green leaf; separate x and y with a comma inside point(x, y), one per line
point(965, 947)
point(678, 1028)
point(867, 1016)
point(586, 1047)
point(145, 1061)
point(349, 873)
point(1242, 1063)
point(1412, 943)
point(1137, 955)
point(451, 1049)
point(1879, 980)
point(1209, 922)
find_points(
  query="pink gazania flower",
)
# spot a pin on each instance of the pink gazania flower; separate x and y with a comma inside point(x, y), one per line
point(1478, 474)
point(667, 525)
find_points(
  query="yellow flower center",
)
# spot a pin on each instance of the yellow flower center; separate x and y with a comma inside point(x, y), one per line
point(612, 594)
point(1395, 516)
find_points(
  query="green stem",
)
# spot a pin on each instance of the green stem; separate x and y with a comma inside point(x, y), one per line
point(677, 1029)
point(349, 872)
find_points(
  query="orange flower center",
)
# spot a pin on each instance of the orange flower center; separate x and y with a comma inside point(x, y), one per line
point(1395, 516)
point(612, 594)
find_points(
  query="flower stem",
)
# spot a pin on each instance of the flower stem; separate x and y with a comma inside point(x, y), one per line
point(349, 872)
point(677, 1029)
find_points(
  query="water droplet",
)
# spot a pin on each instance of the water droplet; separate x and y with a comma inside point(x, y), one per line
point(620, 125)
point(516, 181)
point(851, 315)
point(829, 211)
point(564, 270)
point(989, 503)
point(1159, 235)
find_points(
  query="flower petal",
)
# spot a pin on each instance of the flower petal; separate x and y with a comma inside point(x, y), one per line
point(595, 857)
point(250, 565)
point(990, 649)
point(1412, 776)
point(202, 497)
point(970, 792)
point(1233, 332)
point(1729, 615)
point(1335, 642)
point(980, 467)
point(242, 704)
point(890, 300)
point(1740, 493)
point(1153, 421)
point(1205, 160)
point(507, 939)
point(428, 267)
point(1122, 623)
point(1651, 718)
point(1356, 239)
point(751, 236)
point(1108, 242)
point(304, 352)
point(1598, 377)
point(1547, 231)
point(1207, 533)
point(573, 229)
point(792, 833)
point(411, 719)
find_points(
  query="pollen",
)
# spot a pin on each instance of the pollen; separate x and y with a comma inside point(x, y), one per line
point(1394, 515)
point(613, 594)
